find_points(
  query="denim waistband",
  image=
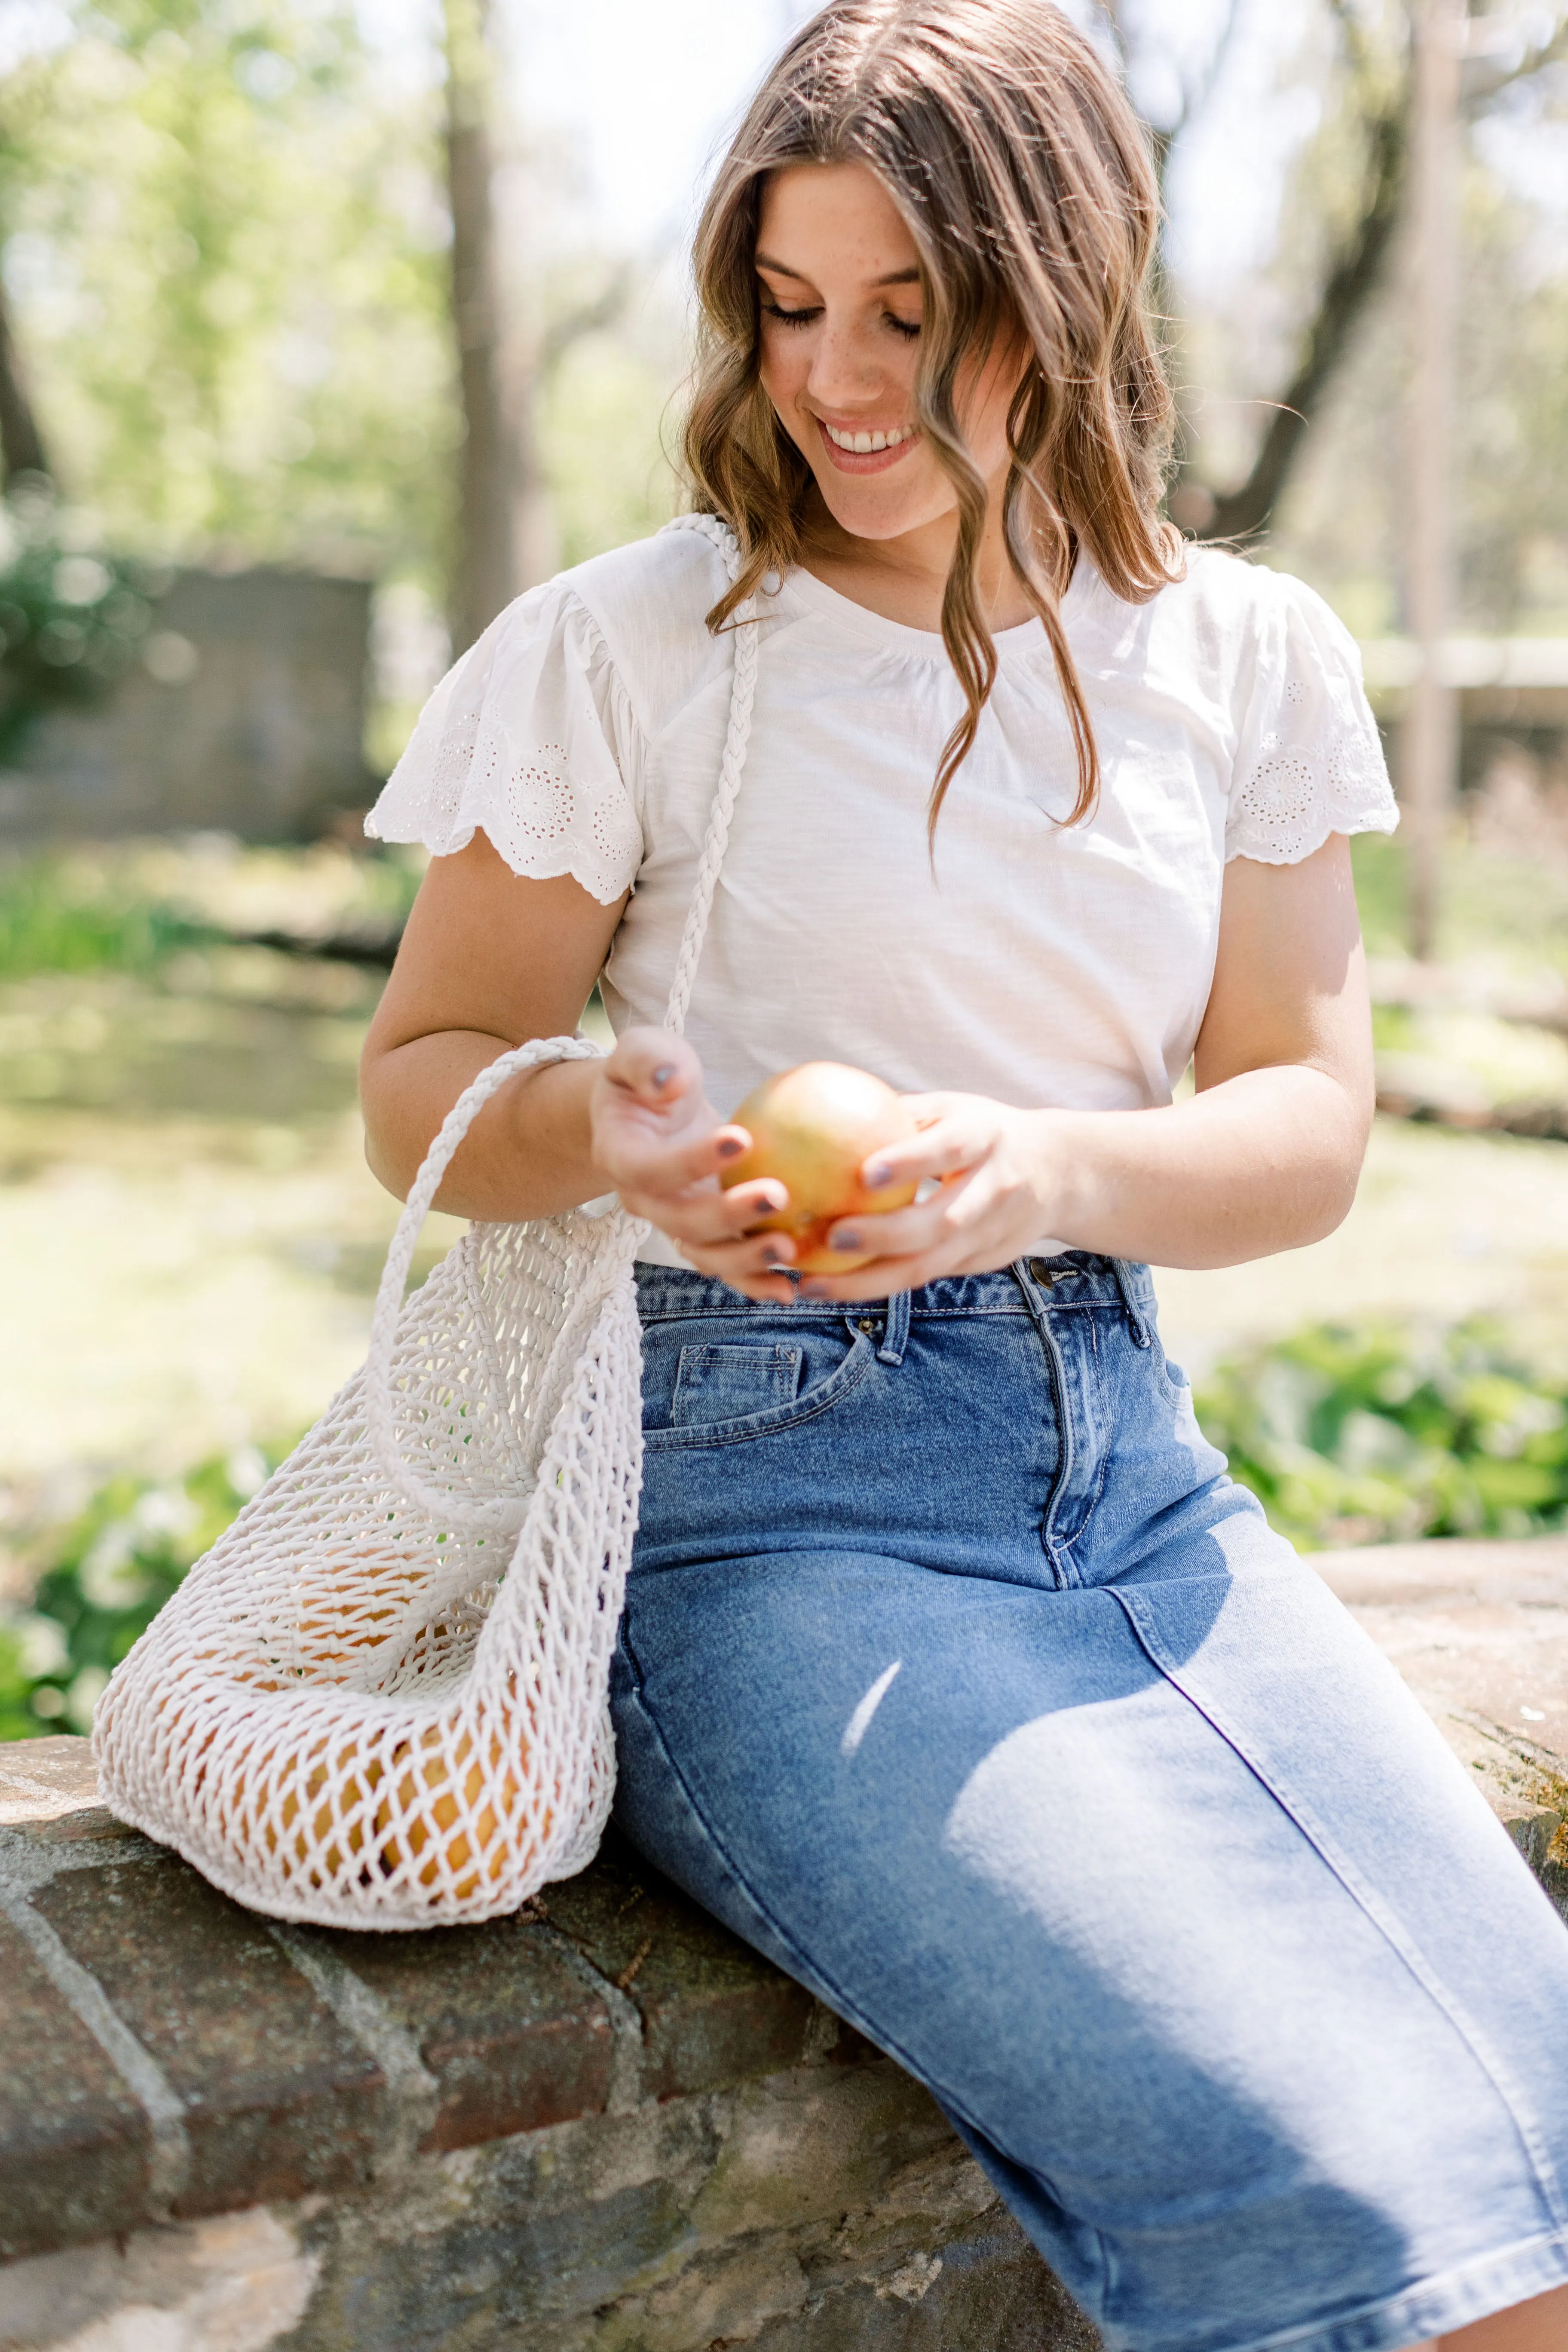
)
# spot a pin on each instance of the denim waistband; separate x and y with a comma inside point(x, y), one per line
point(1076, 1278)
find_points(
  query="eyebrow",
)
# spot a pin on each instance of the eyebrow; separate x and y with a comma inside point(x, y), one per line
point(910, 277)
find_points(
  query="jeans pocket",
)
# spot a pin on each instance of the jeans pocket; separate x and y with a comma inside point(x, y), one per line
point(728, 1384)
point(705, 1384)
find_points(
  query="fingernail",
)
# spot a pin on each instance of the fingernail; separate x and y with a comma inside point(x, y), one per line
point(812, 1290)
point(731, 1147)
point(877, 1176)
point(848, 1242)
point(663, 1075)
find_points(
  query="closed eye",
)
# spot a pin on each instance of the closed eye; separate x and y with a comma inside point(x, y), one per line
point(792, 318)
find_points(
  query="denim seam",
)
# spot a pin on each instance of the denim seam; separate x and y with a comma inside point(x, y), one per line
point(1351, 2333)
point(1400, 1941)
point(1070, 1543)
point(839, 2001)
point(775, 1418)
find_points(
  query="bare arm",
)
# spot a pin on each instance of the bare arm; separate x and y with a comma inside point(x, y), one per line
point(489, 960)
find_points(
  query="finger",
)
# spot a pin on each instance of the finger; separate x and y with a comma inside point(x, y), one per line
point(653, 1066)
point(650, 1165)
point(751, 1266)
point(903, 1232)
point(946, 1149)
point(712, 1217)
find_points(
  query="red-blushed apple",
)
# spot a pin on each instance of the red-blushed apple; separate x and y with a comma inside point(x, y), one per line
point(813, 1127)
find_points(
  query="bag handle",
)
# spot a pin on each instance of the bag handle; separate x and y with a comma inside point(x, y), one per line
point(505, 1516)
point(742, 693)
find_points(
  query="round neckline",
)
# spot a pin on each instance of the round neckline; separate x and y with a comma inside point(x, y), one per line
point(1025, 636)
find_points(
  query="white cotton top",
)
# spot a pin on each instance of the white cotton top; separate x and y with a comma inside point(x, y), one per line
point(1040, 963)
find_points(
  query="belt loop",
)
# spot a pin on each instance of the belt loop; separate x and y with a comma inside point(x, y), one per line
point(1136, 1326)
point(896, 1338)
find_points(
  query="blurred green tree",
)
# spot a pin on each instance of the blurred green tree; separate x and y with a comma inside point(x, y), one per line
point(225, 241)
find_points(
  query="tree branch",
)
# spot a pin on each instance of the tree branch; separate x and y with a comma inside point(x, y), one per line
point(1346, 292)
point(602, 312)
point(1550, 52)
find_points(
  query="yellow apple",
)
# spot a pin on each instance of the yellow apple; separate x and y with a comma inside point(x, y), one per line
point(812, 1127)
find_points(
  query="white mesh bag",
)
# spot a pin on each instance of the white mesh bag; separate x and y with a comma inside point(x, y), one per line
point(381, 1700)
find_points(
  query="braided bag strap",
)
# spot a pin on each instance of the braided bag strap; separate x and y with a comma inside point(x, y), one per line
point(742, 695)
point(505, 1518)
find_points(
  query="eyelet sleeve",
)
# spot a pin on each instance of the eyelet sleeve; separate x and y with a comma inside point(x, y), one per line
point(530, 738)
point(1309, 758)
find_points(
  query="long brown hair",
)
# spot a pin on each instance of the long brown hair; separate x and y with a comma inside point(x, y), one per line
point(1026, 181)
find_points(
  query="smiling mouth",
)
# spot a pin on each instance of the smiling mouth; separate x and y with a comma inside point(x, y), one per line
point(866, 452)
point(863, 445)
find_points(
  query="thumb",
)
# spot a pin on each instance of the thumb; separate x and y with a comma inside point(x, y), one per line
point(655, 1068)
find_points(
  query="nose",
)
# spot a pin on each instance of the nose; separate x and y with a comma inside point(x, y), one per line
point(847, 371)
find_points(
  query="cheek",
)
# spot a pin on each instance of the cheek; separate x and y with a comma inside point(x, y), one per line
point(783, 365)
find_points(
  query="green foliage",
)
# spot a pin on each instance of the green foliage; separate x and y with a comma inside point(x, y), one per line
point(1383, 1432)
point(226, 250)
point(105, 1578)
point(72, 617)
point(1378, 861)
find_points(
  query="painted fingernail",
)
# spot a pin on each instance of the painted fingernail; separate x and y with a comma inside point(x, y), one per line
point(812, 1290)
point(663, 1075)
point(848, 1242)
point(877, 1176)
point(731, 1147)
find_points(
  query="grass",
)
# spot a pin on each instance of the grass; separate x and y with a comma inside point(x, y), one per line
point(1498, 904)
point(73, 914)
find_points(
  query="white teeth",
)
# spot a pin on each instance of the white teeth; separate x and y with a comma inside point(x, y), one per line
point(862, 444)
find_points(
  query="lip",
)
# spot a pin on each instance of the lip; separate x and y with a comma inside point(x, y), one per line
point(870, 461)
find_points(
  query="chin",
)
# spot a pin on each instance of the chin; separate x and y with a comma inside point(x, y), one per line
point(867, 509)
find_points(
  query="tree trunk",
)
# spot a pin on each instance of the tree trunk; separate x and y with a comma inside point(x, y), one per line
point(501, 490)
point(21, 443)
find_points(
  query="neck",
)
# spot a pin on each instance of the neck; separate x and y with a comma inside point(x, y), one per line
point(903, 577)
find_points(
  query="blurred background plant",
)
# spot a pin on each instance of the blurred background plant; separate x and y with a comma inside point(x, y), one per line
point(103, 1577)
point(1382, 1432)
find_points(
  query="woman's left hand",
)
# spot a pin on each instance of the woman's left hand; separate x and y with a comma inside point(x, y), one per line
point(995, 1168)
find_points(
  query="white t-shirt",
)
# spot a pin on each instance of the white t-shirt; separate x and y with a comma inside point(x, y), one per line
point(1040, 963)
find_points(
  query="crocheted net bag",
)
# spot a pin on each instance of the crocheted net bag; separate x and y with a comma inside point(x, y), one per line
point(381, 1700)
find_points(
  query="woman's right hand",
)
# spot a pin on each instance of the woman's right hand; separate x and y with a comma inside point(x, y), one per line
point(661, 1145)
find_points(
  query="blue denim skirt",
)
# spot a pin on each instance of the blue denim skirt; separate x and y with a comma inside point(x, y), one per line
point(958, 1677)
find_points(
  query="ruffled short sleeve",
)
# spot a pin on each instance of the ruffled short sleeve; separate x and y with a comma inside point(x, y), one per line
point(1309, 760)
point(531, 737)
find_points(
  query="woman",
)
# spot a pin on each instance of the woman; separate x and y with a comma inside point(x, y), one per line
point(954, 1673)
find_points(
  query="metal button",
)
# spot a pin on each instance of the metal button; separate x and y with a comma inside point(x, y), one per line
point(866, 1324)
point(1040, 1269)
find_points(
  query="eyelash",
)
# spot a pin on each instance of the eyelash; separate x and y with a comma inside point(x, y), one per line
point(908, 329)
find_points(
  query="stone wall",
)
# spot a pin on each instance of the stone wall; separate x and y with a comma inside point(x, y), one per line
point(600, 2126)
point(245, 715)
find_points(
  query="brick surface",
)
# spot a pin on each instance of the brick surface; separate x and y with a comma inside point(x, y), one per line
point(73, 2142)
point(280, 2100)
point(713, 2011)
point(514, 2037)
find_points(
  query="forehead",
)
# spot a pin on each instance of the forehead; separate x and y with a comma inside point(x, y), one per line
point(833, 217)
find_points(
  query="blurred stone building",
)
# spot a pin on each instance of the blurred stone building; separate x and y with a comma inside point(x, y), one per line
point(246, 715)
